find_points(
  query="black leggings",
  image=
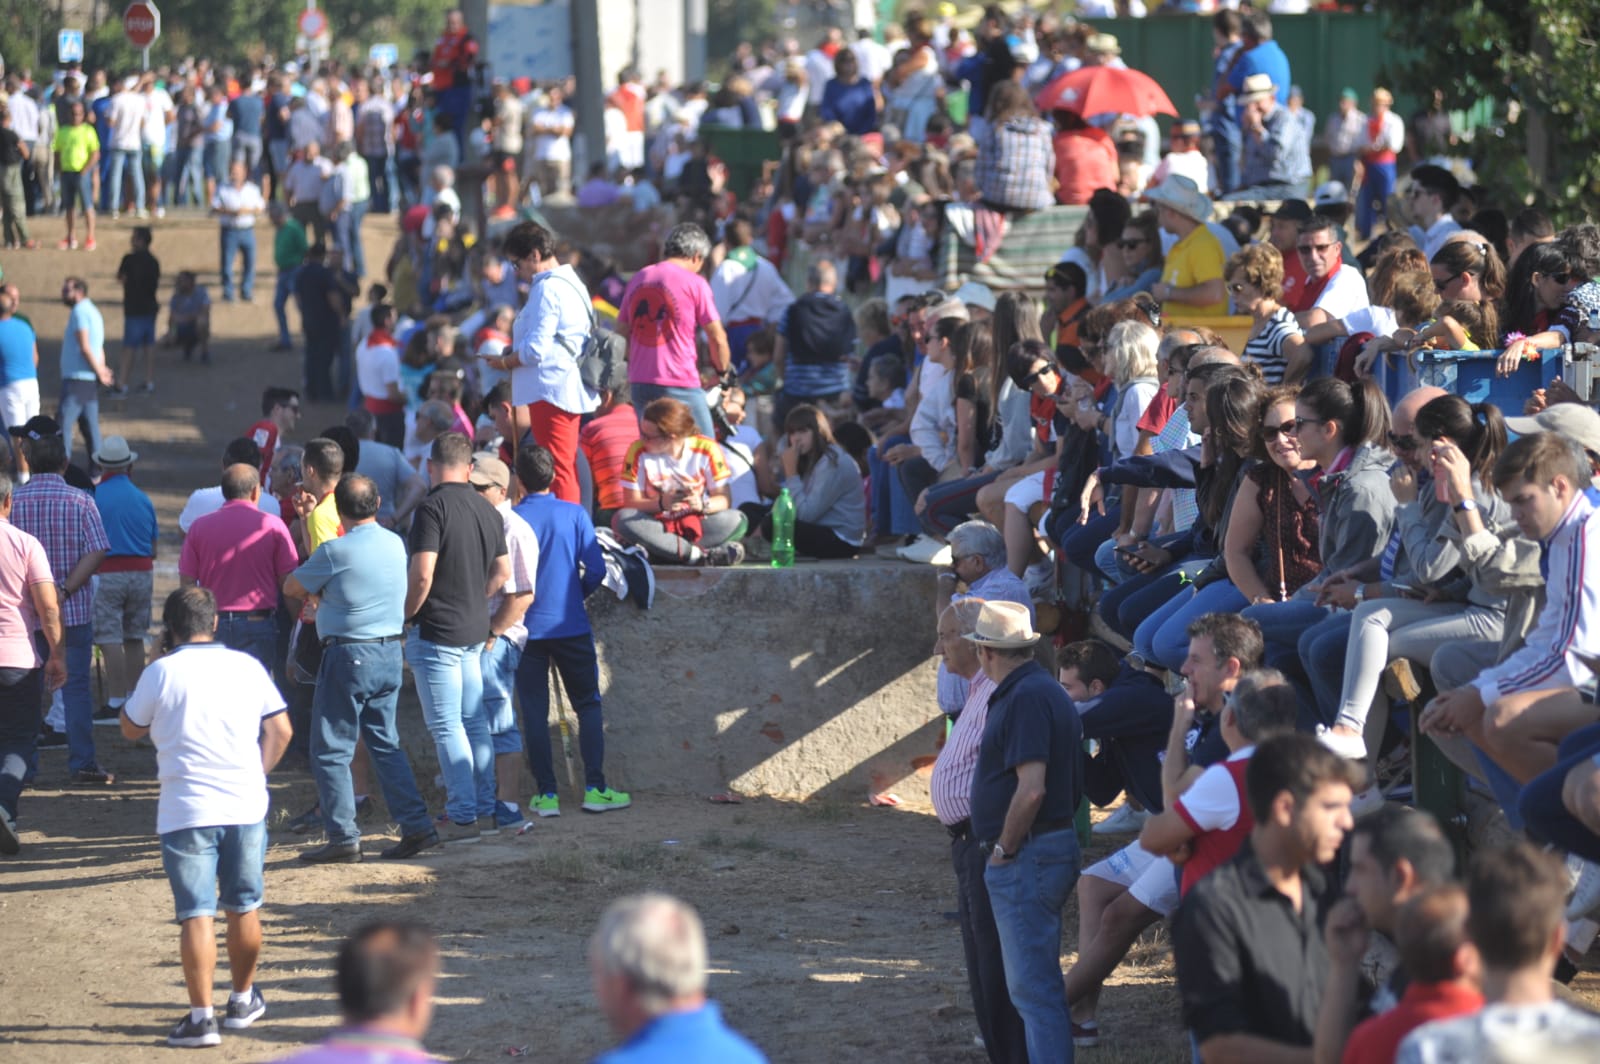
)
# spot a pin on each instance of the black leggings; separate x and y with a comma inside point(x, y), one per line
point(811, 540)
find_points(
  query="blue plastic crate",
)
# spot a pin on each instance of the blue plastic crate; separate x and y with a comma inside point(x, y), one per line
point(1470, 374)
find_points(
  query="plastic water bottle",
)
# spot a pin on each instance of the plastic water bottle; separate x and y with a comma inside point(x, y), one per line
point(783, 531)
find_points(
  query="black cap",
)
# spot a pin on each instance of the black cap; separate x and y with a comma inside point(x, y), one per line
point(37, 428)
point(1293, 210)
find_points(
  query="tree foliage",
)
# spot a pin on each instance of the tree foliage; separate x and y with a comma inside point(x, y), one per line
point(226, 31)
point(1539, 61)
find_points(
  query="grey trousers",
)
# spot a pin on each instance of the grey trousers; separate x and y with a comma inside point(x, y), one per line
point(1386, 629)
point(636, 526)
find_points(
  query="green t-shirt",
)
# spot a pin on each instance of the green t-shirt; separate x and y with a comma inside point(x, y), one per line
point(289, 246)
point(76, 145)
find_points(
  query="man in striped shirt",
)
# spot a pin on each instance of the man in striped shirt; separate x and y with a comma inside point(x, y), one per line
point(951, 788)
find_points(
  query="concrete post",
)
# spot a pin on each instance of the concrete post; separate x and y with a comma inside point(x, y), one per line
point(694, 40)
point(589, 106)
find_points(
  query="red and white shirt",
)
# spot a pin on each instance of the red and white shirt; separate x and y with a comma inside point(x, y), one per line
point(1215, 810)
point(701, 466)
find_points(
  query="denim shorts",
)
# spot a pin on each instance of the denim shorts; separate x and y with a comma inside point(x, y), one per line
point(77, 190)
point(215, 867)
point(499, 684)
point(139, 331)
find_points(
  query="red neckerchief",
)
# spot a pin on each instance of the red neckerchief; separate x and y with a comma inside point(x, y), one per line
point(381, 338)
point(1309, 291)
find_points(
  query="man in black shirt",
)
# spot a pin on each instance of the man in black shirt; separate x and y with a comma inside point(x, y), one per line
point(323, 308)
point(1247, 939)
point(1025, 792)
point(140, 275)
point(13, 198)
point(458, 559)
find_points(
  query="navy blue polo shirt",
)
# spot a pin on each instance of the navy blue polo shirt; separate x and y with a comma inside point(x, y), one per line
point(1030, 719)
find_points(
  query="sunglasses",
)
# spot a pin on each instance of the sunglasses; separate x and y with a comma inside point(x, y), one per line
point(1307, 249)
point(1270, 433)
point(1404, 443)
point(1129, 245)
point(1293, 427)
point(1440, 286)
point(1033, 378)
point(1563, 277)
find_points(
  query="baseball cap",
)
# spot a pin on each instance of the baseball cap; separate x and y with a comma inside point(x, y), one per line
point(489, 471)
point(1292, 210)
point(1573, 420)
point(36, 428)
point(1330, 193)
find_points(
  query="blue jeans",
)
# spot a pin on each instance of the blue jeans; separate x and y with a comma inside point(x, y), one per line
point(76, 698)
point(358, 687)
point(247, 149)
point(215, 156)
point(1079, 543)
point(80, 407)
point(203, 863)
point(1282, 625)
point(20, 694)
point(1322, 649)
point(278, 159)
point(238, 242)
point(134, 161)
point(257, 638)
point(347, 236)
point(893, 512)
point(1027, 896)
point(1163, 636)
point(191, 183)
point(280, 302)
point(450, 688)
point(1109, 564)
point(1372, 201)
point(1227, 144)
point(1545, 815)
point(579, 668)
point(693, 398)
point(499, 696)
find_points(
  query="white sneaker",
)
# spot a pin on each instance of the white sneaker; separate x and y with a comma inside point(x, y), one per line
point(1368, 801)
point(1349, 747)
point(1586, 895)
point(925, 550)
point(1125, 821)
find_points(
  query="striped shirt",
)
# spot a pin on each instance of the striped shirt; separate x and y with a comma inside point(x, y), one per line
point(1175, 436)
point(605, 441)
point(1265, 348)
point(66, 521)
point(951, 786)
point(1570, 621)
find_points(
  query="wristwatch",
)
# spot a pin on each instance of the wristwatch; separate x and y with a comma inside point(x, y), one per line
point(994, 848)
point(1466, 506)
point(1361, 593)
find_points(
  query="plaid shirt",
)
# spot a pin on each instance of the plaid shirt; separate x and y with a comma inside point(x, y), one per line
point(1016, 163)
point(66, 521)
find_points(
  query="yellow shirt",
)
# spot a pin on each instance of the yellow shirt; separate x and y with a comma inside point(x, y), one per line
point(1196, 259)
point(76, 145)
point(323, 524)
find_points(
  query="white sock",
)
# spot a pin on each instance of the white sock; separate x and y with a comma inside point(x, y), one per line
point(197, 1013)
point(240, 996)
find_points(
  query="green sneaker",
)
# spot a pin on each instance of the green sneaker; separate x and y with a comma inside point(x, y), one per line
point(598, 801)
point(545, 804)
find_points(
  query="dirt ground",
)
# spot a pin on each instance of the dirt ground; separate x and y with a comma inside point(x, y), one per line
point(831, 926)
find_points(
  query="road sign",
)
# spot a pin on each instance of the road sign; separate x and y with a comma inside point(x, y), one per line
point(313, 23)
point(141, 23)
point(69, 46)
point(384, 56)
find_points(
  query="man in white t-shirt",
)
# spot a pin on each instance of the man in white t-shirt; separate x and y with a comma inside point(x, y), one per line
point(159, 113)
point(378, 376)
point(1429, 197)
point(1333, 288)
point(203, 501)
point(127, 144)
point(219, 726)
point(875, 58)
point(551, 129)
point(1516, 896)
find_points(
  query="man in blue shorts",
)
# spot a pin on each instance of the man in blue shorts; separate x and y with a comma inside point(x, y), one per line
point(219, 726)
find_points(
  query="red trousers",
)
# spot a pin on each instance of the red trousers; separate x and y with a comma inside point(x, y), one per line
point(557, 432)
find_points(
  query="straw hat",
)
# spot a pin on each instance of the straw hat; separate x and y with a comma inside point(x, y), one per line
point(1103, 44)
point(1003, 625)
point(114, 453)
point(1181, 194)
point(1257, 87)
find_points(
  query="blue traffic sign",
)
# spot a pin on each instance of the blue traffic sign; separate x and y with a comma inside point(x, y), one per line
point(69, 46)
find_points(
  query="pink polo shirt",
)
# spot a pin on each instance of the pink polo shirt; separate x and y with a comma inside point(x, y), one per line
point(664, 307)
point(240, 555)
point(22, 564)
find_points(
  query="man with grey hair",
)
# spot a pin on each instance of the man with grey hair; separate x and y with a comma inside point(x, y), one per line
point(662, 310)
point(978, 563)
point(816, 337)
point(648, 962)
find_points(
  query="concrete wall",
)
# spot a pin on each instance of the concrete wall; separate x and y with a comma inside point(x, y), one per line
point(815, 681)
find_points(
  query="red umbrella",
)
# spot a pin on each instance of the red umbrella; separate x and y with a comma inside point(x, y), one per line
point(1098, 90)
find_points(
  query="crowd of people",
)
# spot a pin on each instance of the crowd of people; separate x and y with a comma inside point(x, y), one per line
point(1275, 548)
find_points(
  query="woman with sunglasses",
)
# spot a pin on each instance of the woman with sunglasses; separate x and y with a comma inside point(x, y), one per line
point(1430, 601)
point(1142, 258)
point(1276, 343)
point(1341, 429)
point(1579, 246)
point(678, 506)
point(1539, 284)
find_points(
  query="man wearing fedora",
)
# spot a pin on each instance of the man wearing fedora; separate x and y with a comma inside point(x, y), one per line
point(122, 597)
point(1277, 151)
point(1193, 272)
point(1025, 791)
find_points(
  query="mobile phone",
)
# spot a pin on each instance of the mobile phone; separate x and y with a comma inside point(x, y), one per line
point(1409, 589)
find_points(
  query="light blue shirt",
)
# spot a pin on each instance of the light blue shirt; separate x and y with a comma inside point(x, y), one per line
point(85, 317)
point(218, 112)
point(547, 337)
point(361, 577)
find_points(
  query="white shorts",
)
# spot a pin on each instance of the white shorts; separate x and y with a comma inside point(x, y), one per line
point(1152, 880)
point(1027, 491)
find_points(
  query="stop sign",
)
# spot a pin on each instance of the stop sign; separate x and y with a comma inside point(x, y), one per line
point(313, 23)
point(141, 23)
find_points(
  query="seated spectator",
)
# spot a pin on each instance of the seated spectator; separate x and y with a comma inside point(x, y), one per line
point(1184, 157)
point(1277, 152)
point(1015, 155)
point(604, 440)
point(1250, 957)
point(1429, 199)
point(677, 505)
point(1193, 273)
point(1332, 289)
point(1126, 711)
point(830, 518)
point(1086, 158)
point(1142, 258)
point(189, 317)
point(1515, 896)
point(1276, 343)
point(1397, 855)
